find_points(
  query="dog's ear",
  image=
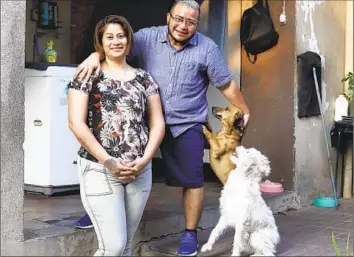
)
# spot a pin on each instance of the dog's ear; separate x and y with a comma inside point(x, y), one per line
point(264, 169)
point(238, 120)
point(247, 163)
point(264, 166)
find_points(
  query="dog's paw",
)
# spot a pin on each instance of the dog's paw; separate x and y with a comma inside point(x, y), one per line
point(206, 248)
point(262, 254)
point(235, 253)
point(217, 152)
point(205, 130)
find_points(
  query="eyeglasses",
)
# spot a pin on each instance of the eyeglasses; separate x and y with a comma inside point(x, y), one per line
point(179, 20)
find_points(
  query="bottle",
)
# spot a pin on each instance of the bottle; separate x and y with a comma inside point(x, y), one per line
point(341, 108)
point(50, 55)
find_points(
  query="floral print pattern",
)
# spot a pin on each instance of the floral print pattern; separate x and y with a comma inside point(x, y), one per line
point(117, 113)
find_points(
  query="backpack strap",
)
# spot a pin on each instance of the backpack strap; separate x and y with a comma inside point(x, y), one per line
point(260, 2)
point(267, 5)
point(254, 58)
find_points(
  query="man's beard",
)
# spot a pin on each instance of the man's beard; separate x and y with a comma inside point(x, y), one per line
point(180, 42)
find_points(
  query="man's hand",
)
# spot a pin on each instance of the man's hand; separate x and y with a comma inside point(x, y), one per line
point(246, 118)
point(85, 69)
point(232, 93)
point(137, 165)
point(118, 169)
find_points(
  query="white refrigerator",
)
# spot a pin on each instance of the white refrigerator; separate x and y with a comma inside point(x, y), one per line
point(50, 148)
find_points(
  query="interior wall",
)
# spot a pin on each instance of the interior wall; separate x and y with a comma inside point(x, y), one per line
point(139, 13)
point(62, 44)
point(268, 87)
point(81, 11)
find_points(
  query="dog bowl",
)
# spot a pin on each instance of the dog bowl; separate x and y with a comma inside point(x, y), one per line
point(271, 187)
point(325, 202)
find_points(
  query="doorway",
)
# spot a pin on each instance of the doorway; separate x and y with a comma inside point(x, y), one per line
point(141, 14)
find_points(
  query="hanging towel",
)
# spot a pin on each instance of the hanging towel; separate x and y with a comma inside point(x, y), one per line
point(307, 101)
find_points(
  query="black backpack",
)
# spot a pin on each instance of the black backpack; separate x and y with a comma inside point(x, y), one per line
point(257, 30)
point(307, 101)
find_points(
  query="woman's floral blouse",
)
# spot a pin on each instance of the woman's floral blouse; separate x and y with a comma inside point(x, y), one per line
point(117, 113)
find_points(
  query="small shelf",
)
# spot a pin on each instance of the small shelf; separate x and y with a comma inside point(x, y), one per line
point(46, 28)
point(41, 31)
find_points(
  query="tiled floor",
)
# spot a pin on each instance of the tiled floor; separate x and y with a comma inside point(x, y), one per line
point(308, 232)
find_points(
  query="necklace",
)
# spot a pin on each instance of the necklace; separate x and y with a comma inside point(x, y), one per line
point(121, 76)
point(125, 72)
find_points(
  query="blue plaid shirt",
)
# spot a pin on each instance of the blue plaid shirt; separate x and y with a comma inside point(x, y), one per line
point(182, 75)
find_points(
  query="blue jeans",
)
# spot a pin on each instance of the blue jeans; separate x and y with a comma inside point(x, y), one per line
point(114, 206)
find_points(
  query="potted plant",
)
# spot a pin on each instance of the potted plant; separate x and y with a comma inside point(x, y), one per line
point(348, 92)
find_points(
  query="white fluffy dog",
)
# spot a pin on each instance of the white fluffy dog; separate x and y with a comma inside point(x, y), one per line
point(243, 208)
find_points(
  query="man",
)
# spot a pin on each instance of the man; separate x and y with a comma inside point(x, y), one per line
point(183, 62)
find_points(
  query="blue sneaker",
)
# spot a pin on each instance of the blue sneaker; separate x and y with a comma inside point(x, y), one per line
point(84, 222)
point(189, 244)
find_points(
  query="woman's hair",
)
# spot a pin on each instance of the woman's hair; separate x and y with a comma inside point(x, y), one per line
point(102, 25)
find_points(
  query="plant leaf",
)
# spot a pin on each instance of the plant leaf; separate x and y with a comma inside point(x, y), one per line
point(335, 245)
point(348, 245)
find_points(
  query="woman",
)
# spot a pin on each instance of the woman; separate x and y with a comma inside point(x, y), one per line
point(116, 115)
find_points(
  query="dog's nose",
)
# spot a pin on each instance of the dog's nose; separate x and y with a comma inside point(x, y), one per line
point(214, 110)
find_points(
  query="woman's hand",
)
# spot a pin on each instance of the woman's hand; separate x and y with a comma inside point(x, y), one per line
point(123, 172)
point(138, 165)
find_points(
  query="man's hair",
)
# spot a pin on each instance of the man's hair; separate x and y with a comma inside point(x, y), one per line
point(190, 3)
point(102, 25)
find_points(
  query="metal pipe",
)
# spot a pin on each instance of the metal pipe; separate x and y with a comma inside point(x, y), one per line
point(325, 136)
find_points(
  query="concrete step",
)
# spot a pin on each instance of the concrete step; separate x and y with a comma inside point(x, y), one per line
point(167, 230)
point(157, 224)
point(54, 233)
point(281, 202)
point(306, 232)
point(169, 245)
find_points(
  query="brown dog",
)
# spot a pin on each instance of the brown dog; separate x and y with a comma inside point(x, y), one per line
point(223, 143)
